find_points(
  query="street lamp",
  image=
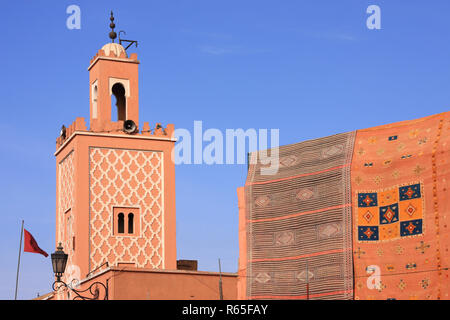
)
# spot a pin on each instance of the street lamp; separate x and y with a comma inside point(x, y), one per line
point(59, 261)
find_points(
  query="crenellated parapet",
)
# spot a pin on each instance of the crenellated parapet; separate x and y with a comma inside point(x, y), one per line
point(78, 125)
point(113, 51)
point(116, 128)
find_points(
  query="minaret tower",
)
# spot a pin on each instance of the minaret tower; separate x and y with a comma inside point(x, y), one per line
point(115, 182)
point(113, 76)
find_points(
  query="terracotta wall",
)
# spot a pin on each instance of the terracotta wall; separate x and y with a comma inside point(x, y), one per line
point(180, 285)
point(149, 284)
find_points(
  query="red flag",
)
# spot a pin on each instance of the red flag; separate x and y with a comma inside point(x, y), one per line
point(31, 245)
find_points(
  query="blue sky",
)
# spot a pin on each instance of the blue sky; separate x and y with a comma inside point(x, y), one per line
point(307, 68)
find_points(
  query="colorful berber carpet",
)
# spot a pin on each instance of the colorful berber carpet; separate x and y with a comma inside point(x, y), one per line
point(359, 215)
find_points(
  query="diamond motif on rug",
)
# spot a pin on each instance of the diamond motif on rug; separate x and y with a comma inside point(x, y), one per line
point(262, 277)
point(330, 230)
point(284, 238)
point(368, 216)
point(333, 150)
point(305, 194)
point(303, 276)
point(262, 201)
point(288, 161)
point(410, 210)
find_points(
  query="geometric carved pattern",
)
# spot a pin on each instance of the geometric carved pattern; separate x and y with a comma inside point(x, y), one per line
point(126, 178)
point(66, 186)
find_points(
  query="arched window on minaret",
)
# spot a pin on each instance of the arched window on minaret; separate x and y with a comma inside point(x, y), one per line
point(94, 100)
point(120, 223)
point(126, 221)
point(118, 91)
point(130, 223)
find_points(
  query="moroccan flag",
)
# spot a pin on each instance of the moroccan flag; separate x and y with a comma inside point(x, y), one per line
point(31, 245)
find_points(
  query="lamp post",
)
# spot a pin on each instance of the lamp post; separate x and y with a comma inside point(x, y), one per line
point(59, 261)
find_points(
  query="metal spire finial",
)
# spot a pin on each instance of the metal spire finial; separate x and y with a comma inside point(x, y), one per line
point(112, 34)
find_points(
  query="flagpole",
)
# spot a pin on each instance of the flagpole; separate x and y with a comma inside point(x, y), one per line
point(220, 282)
point(18, 263)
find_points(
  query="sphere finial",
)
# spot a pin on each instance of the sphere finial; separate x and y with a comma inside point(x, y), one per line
point(112, 34)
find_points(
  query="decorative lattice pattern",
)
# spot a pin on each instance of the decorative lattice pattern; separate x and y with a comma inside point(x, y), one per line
point(66, 186)
point(126, 178)
point(65, 191)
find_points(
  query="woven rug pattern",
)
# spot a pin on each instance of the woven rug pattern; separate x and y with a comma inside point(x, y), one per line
point(299, 228)
point(400, 174)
